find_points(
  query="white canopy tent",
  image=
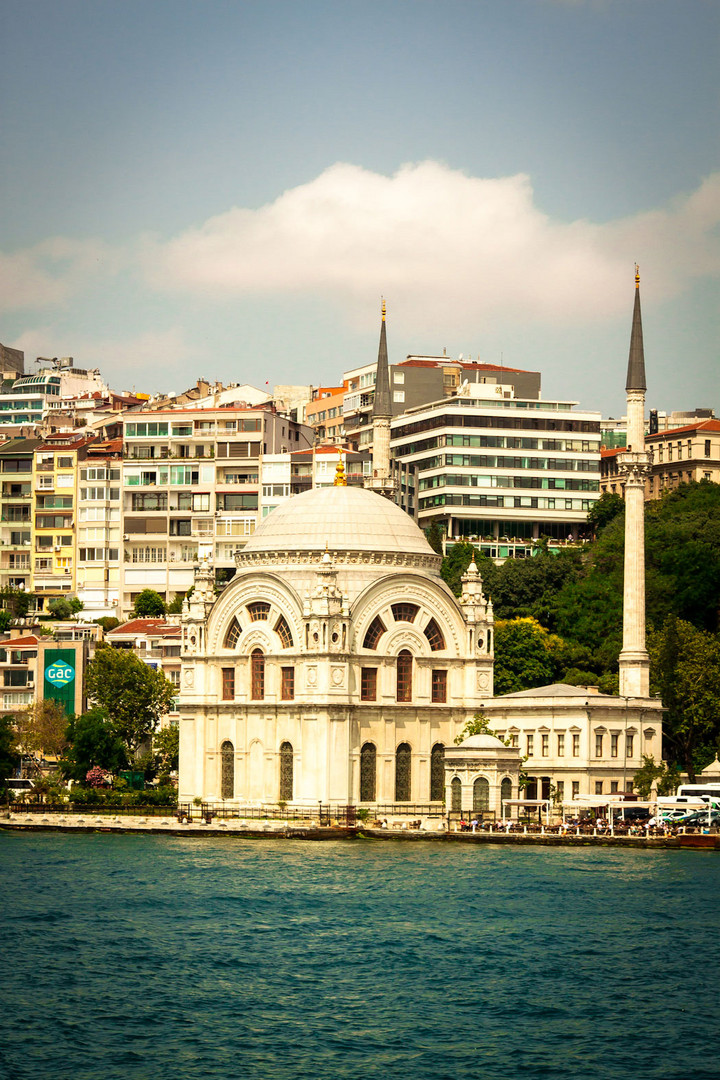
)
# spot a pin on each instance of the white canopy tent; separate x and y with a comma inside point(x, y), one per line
point(541, 803)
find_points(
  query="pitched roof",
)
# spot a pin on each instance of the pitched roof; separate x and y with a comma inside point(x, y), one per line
point(701, 425)
point(156, 627)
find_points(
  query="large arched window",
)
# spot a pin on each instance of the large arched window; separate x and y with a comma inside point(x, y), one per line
point(506, 789)
point(404, 675)
point(435, 636)
point(375, 631)
point(437, 773)
point(404, 612)
point(456, 794)
point(232, 636)
point(286, 771)
point(257, 675)
point(227, 770)
point(402, 773)
point(283, 632)
point(368, 765)
point(481, 794)
point(258, 610)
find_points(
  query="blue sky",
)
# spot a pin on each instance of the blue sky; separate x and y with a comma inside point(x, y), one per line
point(227, 188)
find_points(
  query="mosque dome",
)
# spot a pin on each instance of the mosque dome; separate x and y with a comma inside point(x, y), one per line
point(483, 742)
point(339, 519)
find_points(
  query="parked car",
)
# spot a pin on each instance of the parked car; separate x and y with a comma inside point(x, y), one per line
point(700, 817)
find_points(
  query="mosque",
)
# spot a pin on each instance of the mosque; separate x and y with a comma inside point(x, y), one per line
point(337, 667)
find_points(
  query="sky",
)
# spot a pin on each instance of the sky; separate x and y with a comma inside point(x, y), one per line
point(227, 188)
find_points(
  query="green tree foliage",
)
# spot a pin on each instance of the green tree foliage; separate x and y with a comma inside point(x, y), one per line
point(479, 725)
point(166, 746)
point(175, 605)
point(149, 605)
point(16, 601)
point(456, 563)
point(434, 535)
point(667, 779)
point(41, 728)
point(59, 608)
point(5, 620)
point(92, 742)
point(607, 507)
point(9, 756)
point(523, 655)
point(685, 671)
point(108, 622)
point(133, 695)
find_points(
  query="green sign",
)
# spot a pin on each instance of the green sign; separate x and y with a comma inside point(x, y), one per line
point(59, 681)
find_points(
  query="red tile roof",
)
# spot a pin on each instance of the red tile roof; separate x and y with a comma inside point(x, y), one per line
point(701, 425)
point(27, 642)
point(146, 626)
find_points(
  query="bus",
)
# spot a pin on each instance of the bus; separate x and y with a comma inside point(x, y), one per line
point(707, 792)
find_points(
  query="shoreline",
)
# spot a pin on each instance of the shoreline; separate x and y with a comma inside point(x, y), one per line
point(280, 831)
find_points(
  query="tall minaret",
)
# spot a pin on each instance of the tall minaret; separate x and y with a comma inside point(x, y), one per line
point(382, 414)
point(634, 464)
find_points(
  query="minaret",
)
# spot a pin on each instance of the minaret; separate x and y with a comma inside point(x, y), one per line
point(382, 414)
point(634, 464)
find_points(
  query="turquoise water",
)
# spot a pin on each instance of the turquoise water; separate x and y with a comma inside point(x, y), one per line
point(157, 957)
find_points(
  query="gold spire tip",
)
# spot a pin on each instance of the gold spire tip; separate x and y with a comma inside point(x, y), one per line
point(637, 276)
point(383, 309)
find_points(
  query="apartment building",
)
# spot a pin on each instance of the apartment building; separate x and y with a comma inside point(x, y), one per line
point(26, 403)
point(682, 455)
point(190, 489)
point(16, 469)
point(324, 413)
point(99, 529)
point(54, 516)
point(498, 469)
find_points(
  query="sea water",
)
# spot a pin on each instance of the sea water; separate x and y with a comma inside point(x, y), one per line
point(126, 957)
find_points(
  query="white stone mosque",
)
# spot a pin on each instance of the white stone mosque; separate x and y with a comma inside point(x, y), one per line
point(337, 667)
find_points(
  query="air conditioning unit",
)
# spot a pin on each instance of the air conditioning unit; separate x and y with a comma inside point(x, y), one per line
point(58, 547)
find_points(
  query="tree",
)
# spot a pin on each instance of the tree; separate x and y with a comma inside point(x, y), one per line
point(607, 507)
point(434, 535)
point(685, 670)
point(9, 756)
point(5, 620)
point(166, 744)
point(132, 694)
point(108, 622)
point(643, 780)
point(479, 725)
point(16, 601)
point(92, 742)
point(522, 656)
point(41, 728)
point(60, 608)
point(149, 605)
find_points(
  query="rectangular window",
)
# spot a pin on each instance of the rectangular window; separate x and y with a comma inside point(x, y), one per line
point(529, 746)
point(598, 744)
point(399, 395)
point(228, 684)
point(614, 739)
point(287, 683)
point(576, 746)
point(368, 684)
point(613, 787)
point(439, 686)
point(598, 787)
point(575, 788)
point(544, 745)
point(561, 745)
point(560, 788)
point(707, 448)
point(629, 740)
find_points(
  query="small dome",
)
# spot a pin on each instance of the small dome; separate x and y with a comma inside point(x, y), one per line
point(341, 518)
point(483, 742)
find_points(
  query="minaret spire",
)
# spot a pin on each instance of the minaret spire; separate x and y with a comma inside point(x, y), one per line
point(382, 405)
point(382, 414)
point(634, 464)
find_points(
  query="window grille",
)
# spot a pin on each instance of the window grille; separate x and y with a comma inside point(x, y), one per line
point(368, 765)
point(404, 676)
point(456, 794)
point(402, 773)
point(481, 794)
point(283, 632)
point(437, 773)
point(257, 675)
point(227, 771)
point(375, 631)
point(439, 686)
point(506, 789)
point(435, 636)
point(233, 634)
point(258, 611)
point(368, 684)
point(404, 612)
point(287, 683)
point(286, 771)
point(228, 684)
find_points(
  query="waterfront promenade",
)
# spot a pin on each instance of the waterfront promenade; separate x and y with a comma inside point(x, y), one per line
point(286, 830)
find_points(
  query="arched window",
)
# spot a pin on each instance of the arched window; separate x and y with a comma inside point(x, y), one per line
point(481, 794)
point(232, 636)
point(404, 676)
point(227, 770)
point(404, 612)
point(506, 789)
point(435, 636)
point(402, 773)
point(375, 631)
point(258, 610)
point(368, 765)
point(455, 794)
point(437, 773)
point(283, 632)
point(286, 771)
point(257, 675)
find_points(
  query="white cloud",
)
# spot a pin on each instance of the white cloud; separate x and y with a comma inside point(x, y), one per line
point(439, 244)
point(49, 273)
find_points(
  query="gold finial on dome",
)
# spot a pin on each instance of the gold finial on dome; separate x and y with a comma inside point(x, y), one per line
point(637, 276)
point(383, 309)
point(340, 480)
